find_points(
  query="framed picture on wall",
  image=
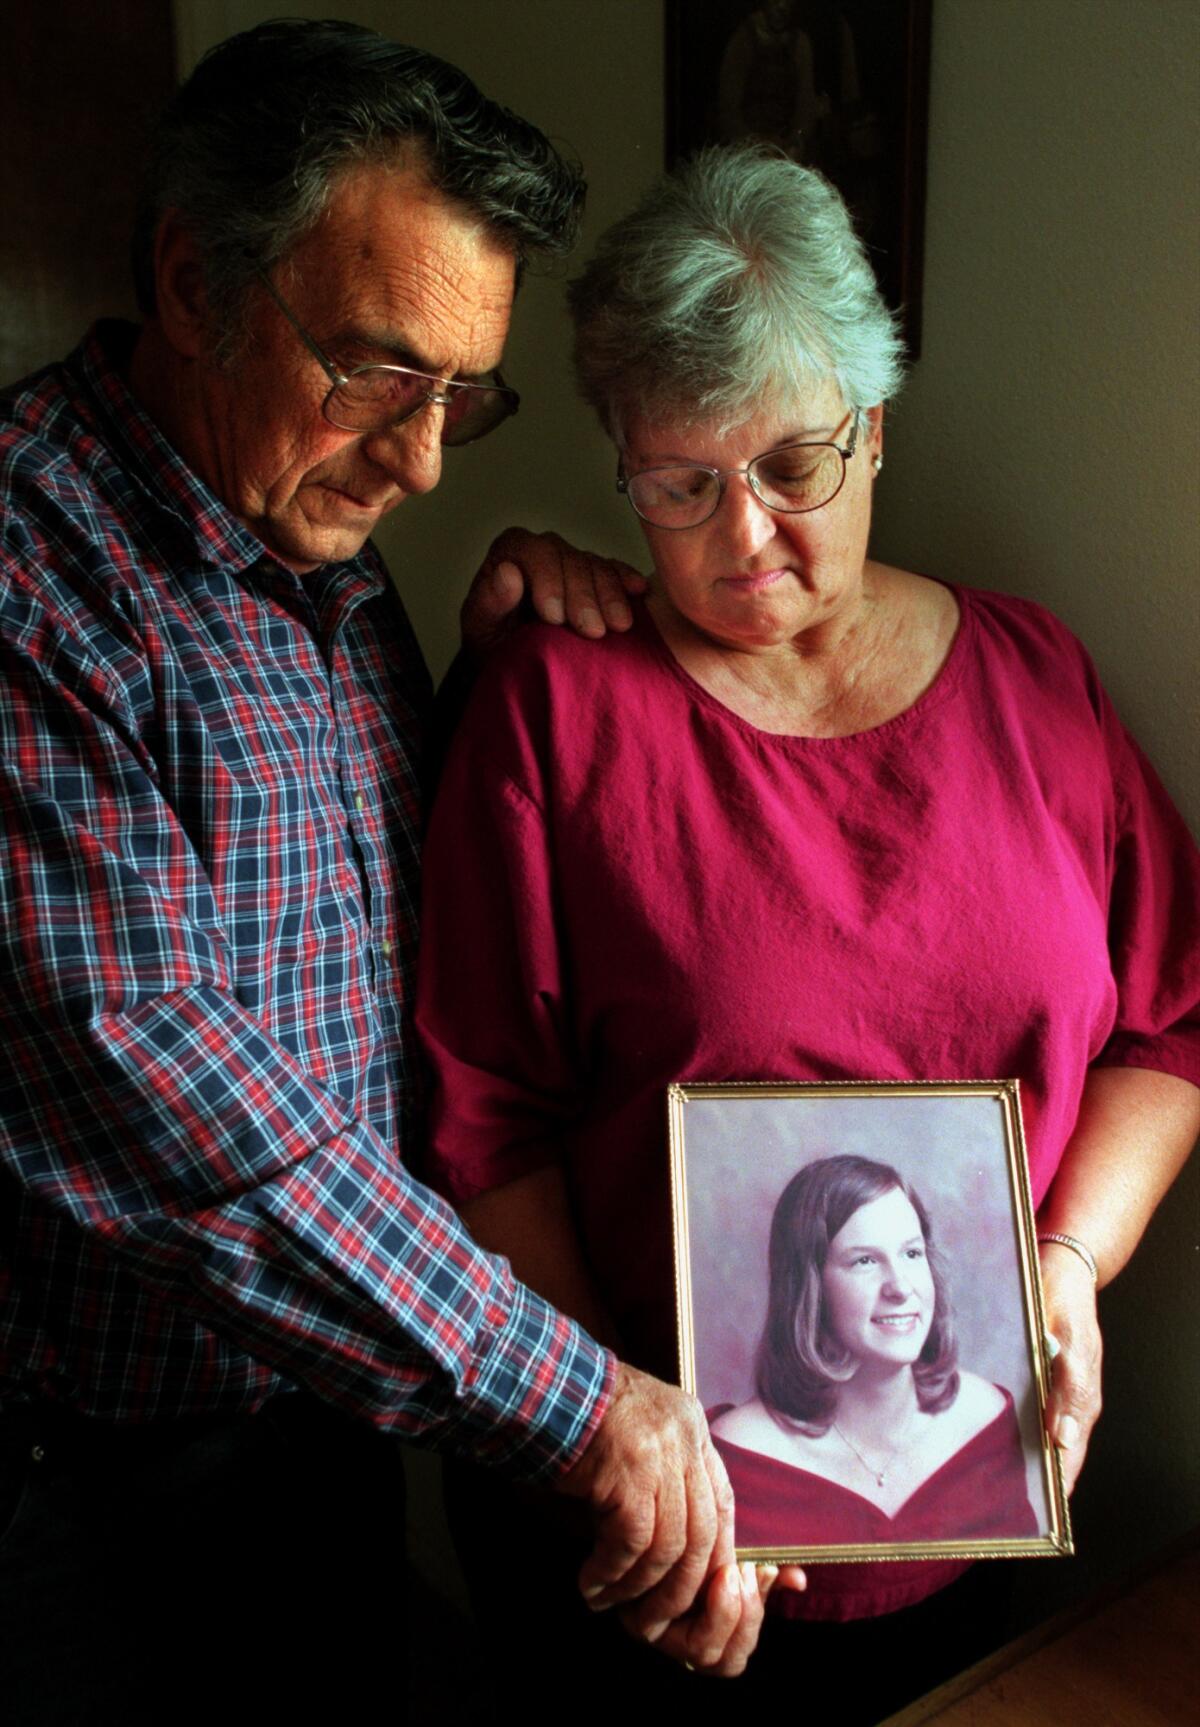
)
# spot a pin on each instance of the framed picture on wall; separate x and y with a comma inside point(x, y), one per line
point(840, 85)
point(860, 1314)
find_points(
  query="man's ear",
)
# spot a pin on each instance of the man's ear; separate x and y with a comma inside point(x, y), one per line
point(180, 300)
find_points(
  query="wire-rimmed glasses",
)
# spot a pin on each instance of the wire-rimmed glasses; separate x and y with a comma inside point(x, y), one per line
point(371, 398)
point(793, 479)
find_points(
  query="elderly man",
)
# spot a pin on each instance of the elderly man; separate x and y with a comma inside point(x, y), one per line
point(211, 737)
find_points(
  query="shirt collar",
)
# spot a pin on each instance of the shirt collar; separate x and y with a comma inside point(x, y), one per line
point(213, 534)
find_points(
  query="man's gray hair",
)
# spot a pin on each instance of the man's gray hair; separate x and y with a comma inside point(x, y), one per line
point(738, 281)
point(248, 150)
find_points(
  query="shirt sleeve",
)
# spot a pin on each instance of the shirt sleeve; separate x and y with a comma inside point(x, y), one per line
point(143, 1103)
point(492, 1001)
point(1154, 923)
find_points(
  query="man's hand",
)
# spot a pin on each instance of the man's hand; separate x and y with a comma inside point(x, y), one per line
point(561, 583)
point(661, 1499)
point(1074, 1401)
point(664, 1510)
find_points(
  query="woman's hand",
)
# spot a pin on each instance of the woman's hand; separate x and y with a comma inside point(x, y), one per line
point(1074, 1402)
point(562, 585)
point(721, 1633)
point(1132, 1137)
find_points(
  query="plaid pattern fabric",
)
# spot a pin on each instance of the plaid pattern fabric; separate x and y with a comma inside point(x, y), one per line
point(210, 828)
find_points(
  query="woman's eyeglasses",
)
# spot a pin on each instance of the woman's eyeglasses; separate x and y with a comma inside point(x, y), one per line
point(794, 479)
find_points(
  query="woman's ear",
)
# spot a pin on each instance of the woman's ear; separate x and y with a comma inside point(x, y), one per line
point(180, 299)
point(874, 439)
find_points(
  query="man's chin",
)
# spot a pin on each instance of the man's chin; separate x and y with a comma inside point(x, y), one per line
point(305, 544)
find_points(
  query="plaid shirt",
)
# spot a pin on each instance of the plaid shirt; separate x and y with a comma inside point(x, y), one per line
point(210, 825)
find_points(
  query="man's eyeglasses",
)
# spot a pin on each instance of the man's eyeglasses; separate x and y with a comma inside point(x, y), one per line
point(797, 478)
point(371, 398)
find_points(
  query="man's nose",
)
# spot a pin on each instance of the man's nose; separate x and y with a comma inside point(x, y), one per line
point(411, 452)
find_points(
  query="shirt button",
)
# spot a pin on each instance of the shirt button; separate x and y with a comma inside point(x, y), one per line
point(360, 802)
point(385, 948)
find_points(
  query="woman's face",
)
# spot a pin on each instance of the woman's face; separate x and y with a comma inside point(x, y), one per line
point(877, 1288)
point(750, 578)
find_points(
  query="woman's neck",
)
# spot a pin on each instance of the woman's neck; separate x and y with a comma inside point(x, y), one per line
point(850, 675)
point(877, 1409)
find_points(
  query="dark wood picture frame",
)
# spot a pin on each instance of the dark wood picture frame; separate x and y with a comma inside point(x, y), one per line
point(841, 85)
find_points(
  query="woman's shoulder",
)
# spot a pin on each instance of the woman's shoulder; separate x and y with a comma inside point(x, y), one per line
point(535, 650)
point(976, 1406)
point(549, 701)
point(1014, 652)
point(979, 1400)
point(753, 1427)
point(1000, 617)
point(1028, 632)
point(539, 665)
point(750, 1425)
point(544, 679)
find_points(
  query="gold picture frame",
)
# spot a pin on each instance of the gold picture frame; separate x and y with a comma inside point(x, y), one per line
point(805, 1490)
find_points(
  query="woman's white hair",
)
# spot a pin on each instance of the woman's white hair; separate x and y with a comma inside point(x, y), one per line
point(738, 281)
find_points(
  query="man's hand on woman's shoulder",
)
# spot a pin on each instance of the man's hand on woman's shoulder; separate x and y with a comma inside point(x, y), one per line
point(556, 581)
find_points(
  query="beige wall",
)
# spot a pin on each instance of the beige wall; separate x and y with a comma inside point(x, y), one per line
point(1047, 444)
point(1048, 440)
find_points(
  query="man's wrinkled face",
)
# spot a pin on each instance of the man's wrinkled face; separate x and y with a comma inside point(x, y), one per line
point(392, 273)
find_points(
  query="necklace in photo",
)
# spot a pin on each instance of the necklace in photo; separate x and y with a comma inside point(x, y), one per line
point(879, 1473)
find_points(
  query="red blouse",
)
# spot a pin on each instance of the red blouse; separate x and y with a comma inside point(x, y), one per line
point(977, 1494)
point(627, 884)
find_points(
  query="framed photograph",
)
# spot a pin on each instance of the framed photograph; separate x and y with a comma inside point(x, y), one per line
point(860, 1314)
point(840, 85)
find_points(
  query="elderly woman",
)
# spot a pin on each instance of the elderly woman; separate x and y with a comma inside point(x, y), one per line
point(812, 818)
point(865, 1429)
